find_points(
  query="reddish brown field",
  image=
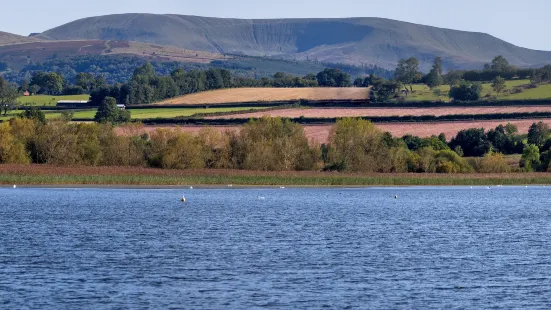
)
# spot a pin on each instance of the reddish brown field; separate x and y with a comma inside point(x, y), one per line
point(356, 112)
point(320, 133)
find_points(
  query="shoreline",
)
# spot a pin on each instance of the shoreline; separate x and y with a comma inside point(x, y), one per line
point(48, 176)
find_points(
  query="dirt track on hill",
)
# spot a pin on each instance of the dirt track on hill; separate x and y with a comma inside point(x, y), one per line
point(356, 112)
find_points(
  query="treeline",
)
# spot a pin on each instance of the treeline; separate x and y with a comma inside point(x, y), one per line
point(147, 87)
point(465, 85)
point(120, 68)
point(270, 144)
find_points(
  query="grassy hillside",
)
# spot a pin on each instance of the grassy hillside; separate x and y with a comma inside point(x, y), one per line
point(19, 55)
point(269, 94)
point(423, 92)
point(9, 38)
point(346, 40)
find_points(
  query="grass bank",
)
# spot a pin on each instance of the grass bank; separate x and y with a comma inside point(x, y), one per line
point(51, 175)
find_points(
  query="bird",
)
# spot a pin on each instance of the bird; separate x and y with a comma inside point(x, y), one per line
point(183, 199)
point(191, 187)
point(396, 197)
point(14, 186)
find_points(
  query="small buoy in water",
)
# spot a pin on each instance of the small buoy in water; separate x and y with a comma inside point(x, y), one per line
point(261, 198)
point(282, 187)
point(183, 199)
point(191, 187)
point(14, 186)
point(230, 185)
point(396, 197)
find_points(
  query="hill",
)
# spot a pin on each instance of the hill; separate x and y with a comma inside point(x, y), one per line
point(235, 95)
point(18, 55)
point(9, 38)
point(356, 41)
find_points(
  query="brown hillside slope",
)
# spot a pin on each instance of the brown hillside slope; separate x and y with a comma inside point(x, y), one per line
point(269, 94)
point(9, 38)
point(19, 55)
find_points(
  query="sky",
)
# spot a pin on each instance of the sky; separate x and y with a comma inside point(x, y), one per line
point(523, 23)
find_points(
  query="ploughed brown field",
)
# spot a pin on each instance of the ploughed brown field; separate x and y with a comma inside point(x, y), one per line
point(356, 112)
point(269, 94)
point(320, 133)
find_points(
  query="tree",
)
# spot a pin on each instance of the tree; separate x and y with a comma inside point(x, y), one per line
point(8, 96)
point(466, 91)
point(109, 112)
point(530, 157)
point(434, 78)
point(34, 114)
point(473, 142)
point(498, 84)
point(407, 71)
point(500, 64)
point(333, 78)
point(538, 133)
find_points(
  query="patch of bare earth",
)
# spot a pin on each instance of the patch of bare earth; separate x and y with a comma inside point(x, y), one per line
point(320, 133)
point(356, 112)
point(235, 95)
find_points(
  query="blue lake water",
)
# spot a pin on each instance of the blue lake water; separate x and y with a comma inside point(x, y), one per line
point(276, 248)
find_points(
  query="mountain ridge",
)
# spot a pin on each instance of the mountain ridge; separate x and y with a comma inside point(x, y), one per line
point(353, 40)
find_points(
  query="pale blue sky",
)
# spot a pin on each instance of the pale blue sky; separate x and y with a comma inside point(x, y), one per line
point(524, 23)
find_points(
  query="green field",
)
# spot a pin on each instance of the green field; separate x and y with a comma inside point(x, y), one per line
point(423, 93)
point(144, 113)
point(43, 100)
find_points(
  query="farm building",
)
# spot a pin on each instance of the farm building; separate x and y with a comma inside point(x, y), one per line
point(73, 103)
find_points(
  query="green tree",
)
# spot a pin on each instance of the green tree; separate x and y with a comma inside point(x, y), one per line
point(435, 78)
point(500, 64)
point(35, 114)
point(530, 157)
point(498, 84)
point(473, 142)
point(466, 91)
point(407, 71)
point(538, 133)
point(8, 96)
point(108, 112)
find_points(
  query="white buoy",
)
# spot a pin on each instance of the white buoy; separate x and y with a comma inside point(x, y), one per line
point(14, 186)
point(230, 185)
point(191, 187)
point(282, 187)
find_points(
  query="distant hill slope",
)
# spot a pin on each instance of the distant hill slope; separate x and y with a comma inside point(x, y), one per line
point(18, 55)
point(9, 38)
point(349, 40)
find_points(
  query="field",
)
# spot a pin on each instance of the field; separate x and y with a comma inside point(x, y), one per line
point(357, 112)
point(144, 113)
point(424, 93)
point(45, 175)
point(43, 100)
point(235, 95)
point(320, 133)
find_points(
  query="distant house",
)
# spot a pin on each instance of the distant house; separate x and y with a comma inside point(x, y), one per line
point(73, 103)
point(121, 106)
point(26, 93)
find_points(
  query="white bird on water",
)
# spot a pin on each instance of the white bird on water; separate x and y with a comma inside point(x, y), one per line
point(183, 199)
point(14, 186)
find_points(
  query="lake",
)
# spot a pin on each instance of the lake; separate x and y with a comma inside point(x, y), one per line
point(446, 247)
